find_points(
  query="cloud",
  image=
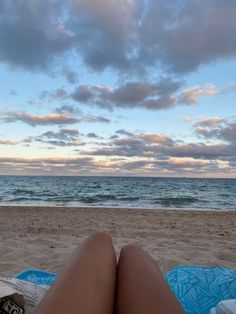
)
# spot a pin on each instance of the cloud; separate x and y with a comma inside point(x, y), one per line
point(59, 93)
point(211, 122)
point(186, 119)
point(164, 94)
point(7, 142)
point(128, 153)
point(83, 93)
point(217, 128)
point(124, 132)
point(155, 138)
point(70, 75)
point(191, 96)
point(147, 95)
point(183, 35)
point(129, 36)
point(13, 92)
point(46, 166)
point(70, 109)
point(158, 146)
point(32, 34)
point(172, 164)
point(64, 137)
point(92, 135)
point(63, 116)
point(63, 134)
point(88, 165)
point(33, 119)
point(95, 119)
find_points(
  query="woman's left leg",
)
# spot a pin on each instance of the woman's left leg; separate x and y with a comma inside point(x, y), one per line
point(88, 283)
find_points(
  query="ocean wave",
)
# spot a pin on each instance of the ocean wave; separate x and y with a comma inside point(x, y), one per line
point(22, 191)
point(106, 197)
point(23, 199)
point(88, 200)
point(176, 201)
point(128, 198)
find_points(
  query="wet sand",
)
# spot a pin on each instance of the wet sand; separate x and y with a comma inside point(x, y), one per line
point(44, 237)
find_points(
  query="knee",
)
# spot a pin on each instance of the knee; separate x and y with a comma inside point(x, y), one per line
point(101, 238)
point(130, 250)
point(100, 241)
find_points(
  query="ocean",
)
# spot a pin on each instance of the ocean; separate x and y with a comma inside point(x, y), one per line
point(131, 192)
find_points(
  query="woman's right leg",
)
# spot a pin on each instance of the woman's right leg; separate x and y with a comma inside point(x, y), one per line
point(88, 283)
point(141, 288)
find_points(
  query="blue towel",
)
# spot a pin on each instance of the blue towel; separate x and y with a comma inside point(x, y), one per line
point(198, 289)
point(37, 277)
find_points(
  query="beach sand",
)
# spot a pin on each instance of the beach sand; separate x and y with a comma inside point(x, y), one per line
point(44, 237)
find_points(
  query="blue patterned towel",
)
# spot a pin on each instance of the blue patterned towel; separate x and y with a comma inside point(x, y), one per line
point(200, 288)
point(197, 288)
point(37, 277)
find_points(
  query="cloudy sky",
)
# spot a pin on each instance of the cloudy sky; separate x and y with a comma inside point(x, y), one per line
point(118, 87)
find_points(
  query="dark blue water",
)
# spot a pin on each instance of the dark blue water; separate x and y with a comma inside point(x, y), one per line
point(119, 192)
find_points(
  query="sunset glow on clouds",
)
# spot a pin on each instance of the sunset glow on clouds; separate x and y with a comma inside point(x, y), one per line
point(118, 87)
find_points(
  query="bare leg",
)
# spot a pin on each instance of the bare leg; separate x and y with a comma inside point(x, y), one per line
point(88, 283)
point(141, 288)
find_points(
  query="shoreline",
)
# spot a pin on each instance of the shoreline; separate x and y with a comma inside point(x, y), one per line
point(44, 237)
point(119, 207)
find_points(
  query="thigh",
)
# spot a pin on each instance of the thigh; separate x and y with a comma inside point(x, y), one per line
point(88, 283)
point(141, 288)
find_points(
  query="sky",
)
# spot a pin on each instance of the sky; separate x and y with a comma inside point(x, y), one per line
point(118, 87)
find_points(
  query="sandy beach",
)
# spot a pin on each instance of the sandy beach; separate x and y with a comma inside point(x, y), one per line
point(44, 237)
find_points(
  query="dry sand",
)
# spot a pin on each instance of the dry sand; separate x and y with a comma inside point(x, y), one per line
point(43, 237)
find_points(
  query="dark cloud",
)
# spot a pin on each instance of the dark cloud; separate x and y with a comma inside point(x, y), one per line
point(164, 94)
point(130, 36)
point(83, 93)
point(69, 109)
point(63, 137)
point(148, 95)
point(13, 92)
point(124, 132)
point(105, 31)
point(32, 33)
point(183, 35)
point(70, 75)
point(217, 128)
point(92, 135)
point(59, 93)
point(63, 134)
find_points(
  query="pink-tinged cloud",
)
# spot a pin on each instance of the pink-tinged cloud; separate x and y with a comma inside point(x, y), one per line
point(33, 119)
point(186, 119)
point(154, 138)
point(62, 117)
point(191, 96)
point(211, 122)
point(7, 142)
